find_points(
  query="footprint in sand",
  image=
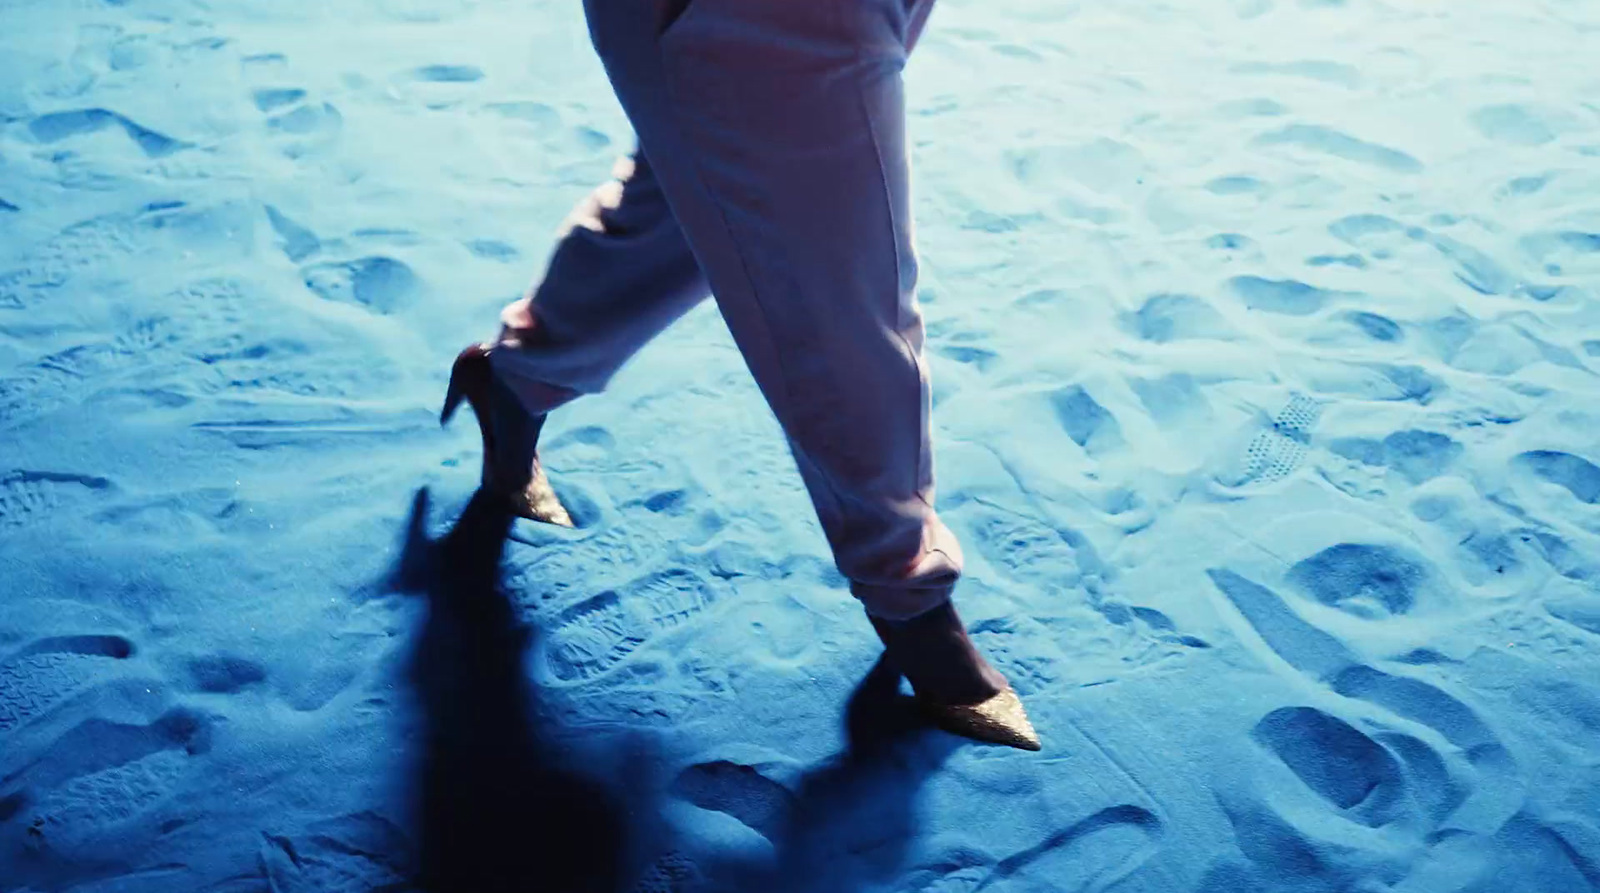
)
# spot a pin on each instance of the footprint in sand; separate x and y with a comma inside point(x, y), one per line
point(1251, 108)
point(1289, 297)
point(1489, 553)
point(552, 576)
point(1375, 326)
point(82, 248)
point(1309, 649)
point(1105, 166)
point(101, 777)
point(588, 448)
point(546, 119)
point(313, 120)
point(1517, 124)
point(64, 125)
point(1353, 261)
point(593, 637)
point(630, 482)
point(977, 357)
point(1370, 581)
point(1337, 143)
point(1323, 70)
point(448, 74)
point(1572, 253)
point(1233, 242)
point(98, 251)
point(1326, 660)
point(30, 496)
point(671, 873)
point(1028, 550)
point(1477, 270)
point(297, 242)
point(283, 367)
point(1237, 185)
point(210, 343)
point(1352, 772)
point(1517, 187)
point(494, 249)
point(1280, 853)
point(48, 672)
point(1577, 475)
point(1089, 424)
point(270, 99)
point(756, 475)
point(1165, 318)
point(224, 674)
point(349, 854)
point(439, 86)
point(1095, 853)
point(1378, 235)
point(1416, 456)
point(1427, 705)
point(1023, 651)
point(90, 805)
point(382, 284)
point(1391, 382)
point(1384, 238)
point(1560, 855)
point(1449, 786)
point(215, 330)
point(1582, 612)
point(300, 123)
point(740, 791)
point(1175, 401)
point(1560, 554)
point(1277, 449)
point(71, 376)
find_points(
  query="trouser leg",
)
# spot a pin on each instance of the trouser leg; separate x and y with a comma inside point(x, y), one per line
point(620, 274)
point(777, 132)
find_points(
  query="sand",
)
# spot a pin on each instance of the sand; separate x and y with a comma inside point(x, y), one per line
point(1266, 346)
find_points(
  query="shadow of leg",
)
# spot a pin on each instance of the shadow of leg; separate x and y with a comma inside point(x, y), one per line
point(498, 805)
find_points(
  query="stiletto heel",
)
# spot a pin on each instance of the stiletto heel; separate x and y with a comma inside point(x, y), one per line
point(452, 399)
point(470, 376)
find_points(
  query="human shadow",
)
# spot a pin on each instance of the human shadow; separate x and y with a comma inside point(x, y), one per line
point(499, 803)
point(504, 801)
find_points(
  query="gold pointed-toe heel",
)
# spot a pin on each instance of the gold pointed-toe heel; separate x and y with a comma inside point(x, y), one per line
point(957, 689)
point(999, 720)
point(538, 501)
point(511, 466)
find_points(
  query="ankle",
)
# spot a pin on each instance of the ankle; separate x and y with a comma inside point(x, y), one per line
point(934, 652)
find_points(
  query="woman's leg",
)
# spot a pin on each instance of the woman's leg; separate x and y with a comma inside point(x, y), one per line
point(777, 132)
point(620, 274)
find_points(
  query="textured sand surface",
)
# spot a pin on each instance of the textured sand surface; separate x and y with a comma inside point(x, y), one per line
point(1266, 346)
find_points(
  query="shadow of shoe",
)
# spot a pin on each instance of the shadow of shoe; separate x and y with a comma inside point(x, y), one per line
point(853, 818)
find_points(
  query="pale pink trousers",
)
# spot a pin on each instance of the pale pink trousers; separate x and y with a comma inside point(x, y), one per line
point(772, 173)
